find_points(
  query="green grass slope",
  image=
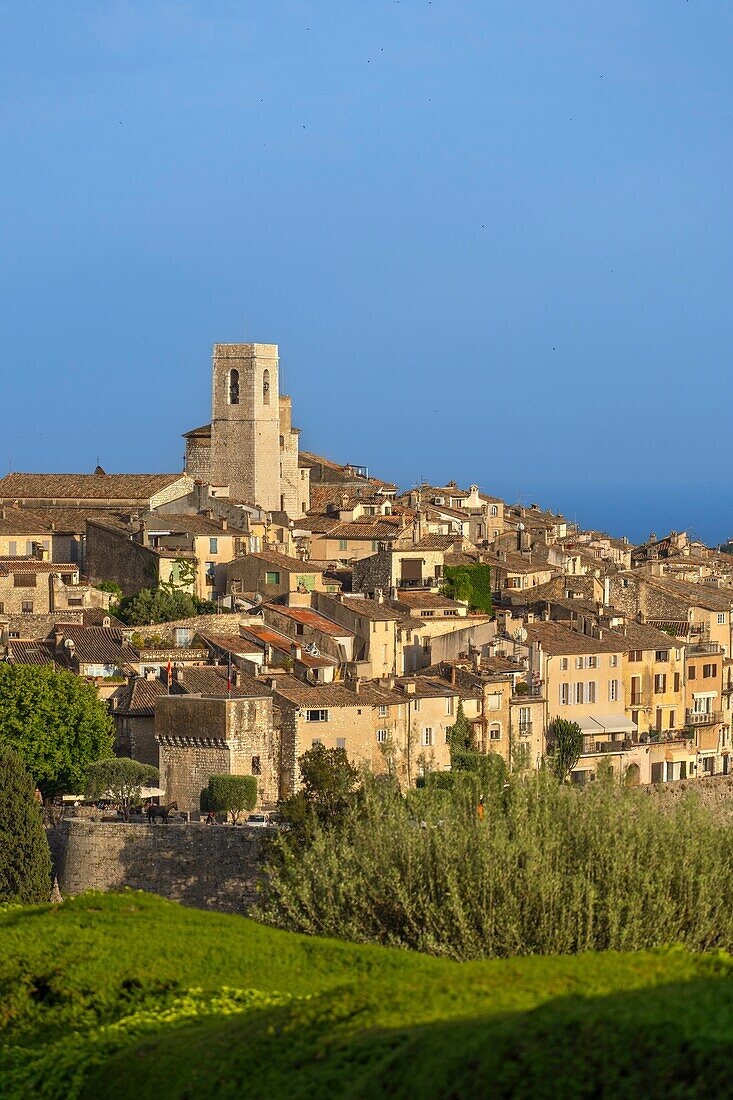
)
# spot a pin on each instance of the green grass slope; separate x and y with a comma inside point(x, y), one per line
point(131, 996)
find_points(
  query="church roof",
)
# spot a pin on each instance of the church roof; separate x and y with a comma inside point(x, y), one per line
point(78, 487)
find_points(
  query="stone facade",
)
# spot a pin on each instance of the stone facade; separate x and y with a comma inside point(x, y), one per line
point(112, 555)
point(201, 736)
point(201, 866)
point(245, 424)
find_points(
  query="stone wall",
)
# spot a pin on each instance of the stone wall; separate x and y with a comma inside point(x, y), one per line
point(204, 866)
point(715, 794)
point(112, 556)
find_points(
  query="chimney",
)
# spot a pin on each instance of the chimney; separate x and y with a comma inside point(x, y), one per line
point(453, 675)
point(357, 686)
point(58, 638)
point(295, 651)
point(606, 591)
point(224, 524)
point(409, 687)
point(379, 595)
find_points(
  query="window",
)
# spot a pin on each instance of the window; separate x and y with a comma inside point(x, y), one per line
point(495, 732)
point(381, 736)
point(525, 720)
point(340, 742)
point(661, 655)
point(709, 670)
point(256, 766)
point(272, 578)
point(672, 719)
point(24, 580)
point(660, 683)
point(12, 549)
point(580, 693)
point(591, 692)
point(564, 663)
point(315, 742)
point(265, 387)
point(613, 691)
point(592, 662)
point(613, 660)
point(417, 705)
point(233, 387)
point(691, 672)
point(316, 716)
point(636, 655)
point(494, 510)
point(343, 544)
point(721, 618)
point(210, 572)
point(2, 608)
point(676, 681)
point(564, 695)
point(427, 736)
point(76, 602)
point(27, 607)
point(494, 701)
point(213, 546)
point(449, 705)
point(383, 710)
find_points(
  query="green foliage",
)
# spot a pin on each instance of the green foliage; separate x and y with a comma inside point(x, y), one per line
point(232, 794)
point(471, 584)
point(460, 734)
point(328, 785)
point(112, 587)
point(131, 995)
point(182, 577)
point(25, 861)
point(156, 605)
point(489, 770)
point(550, 870)
point(120, 779)
point(56, 722)
point(564, 746)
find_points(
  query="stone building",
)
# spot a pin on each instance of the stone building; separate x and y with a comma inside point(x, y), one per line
point(200, 736)
point(250, 444)
point(272, 575)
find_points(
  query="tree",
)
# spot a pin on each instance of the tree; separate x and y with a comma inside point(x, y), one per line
point(112, 587)
point(329, 783)
point(565, 744)
point(121, 780)
point(156, 605)
point(25, 860)
point(56, 722)
point(460, 734)
point(232, 794)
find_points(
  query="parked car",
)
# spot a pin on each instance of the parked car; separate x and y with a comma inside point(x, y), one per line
point(259, 821)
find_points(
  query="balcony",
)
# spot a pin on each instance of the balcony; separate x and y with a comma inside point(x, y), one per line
point(703, 717)
point(701, 648)
point(592, 746)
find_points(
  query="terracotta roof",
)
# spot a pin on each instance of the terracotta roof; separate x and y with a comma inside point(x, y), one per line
point(558, 640)
point(376, 528)
point(97, 616)
point(22, 521)
point(310, 618)
point(163, 523)
point(430, 542)
point(427, 687)
point(644, 636)
point(204, 432)
point(212, 680)
point(695, 595)
point(96, 645)
point(295, 565)
point(369, 609)
point(335, 695)
point(31, 652)
point(22, 486)
point(34, 565)
point(267, 635)
point(139, 696)
point(73, 521)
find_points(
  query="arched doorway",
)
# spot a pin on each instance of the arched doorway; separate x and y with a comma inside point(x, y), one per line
point(633, 775)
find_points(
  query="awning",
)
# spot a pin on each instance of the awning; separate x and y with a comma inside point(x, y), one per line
point(607, 723)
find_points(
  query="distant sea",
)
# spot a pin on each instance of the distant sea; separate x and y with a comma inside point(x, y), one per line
point(635, 510)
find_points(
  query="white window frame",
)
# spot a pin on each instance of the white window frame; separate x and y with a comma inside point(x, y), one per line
point(322, 715)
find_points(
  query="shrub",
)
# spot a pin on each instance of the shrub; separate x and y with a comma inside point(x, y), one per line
point(25, 861)
point(471, 584)
point(550, 870)
point(232, 794)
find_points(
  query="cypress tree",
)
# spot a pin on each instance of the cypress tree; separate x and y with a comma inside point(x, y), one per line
point(25, 860)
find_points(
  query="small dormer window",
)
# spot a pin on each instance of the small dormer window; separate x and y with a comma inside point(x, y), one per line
point(233, 387)
point(265, 387)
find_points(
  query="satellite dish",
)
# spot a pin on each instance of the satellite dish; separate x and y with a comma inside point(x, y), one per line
point(520, 634)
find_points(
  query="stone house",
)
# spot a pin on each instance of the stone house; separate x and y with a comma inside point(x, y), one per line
point(200, 736)
point(272, 575)
point(24, 534)
point(29, 586)
point(133, 710)
point(312, 630)
point(430, 709)
point(212, 543)
point(374, 625)
point(696, 613)
point(704, 715)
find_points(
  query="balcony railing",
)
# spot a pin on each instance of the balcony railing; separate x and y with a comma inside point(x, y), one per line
point(703, 717)
point(591, 745)
point(700, 648)
point(637, 699)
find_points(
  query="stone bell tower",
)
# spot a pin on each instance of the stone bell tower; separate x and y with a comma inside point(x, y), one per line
point(245, 423)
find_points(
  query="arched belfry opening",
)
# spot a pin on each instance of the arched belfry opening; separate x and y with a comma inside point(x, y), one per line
point(265, 387)
point(233, 387)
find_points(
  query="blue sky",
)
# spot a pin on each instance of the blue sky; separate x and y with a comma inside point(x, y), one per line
point(493, 240)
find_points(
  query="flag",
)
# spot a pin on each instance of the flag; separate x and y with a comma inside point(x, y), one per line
point(169, 677)
point(229, 676)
